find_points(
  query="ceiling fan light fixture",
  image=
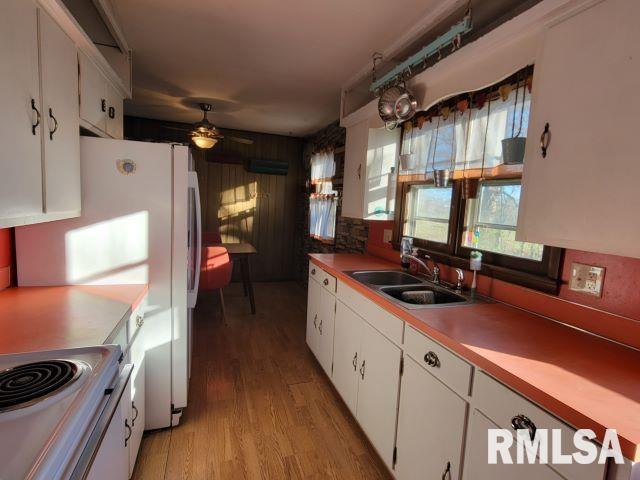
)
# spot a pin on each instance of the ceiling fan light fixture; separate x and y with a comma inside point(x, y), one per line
point(205, 135)
point(203, 141)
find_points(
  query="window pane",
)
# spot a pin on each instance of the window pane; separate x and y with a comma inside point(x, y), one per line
point(490, 222)
point(427, 213)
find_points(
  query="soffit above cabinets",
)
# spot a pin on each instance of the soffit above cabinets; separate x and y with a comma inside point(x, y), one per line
point(93, 27)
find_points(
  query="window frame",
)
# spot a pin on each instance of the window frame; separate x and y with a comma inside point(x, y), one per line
point(543, 275)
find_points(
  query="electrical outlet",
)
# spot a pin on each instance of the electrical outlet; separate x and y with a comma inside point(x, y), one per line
point(388, 233)
point(586, 279)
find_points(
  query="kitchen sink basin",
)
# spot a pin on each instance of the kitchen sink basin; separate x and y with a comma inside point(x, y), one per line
point(390, 277)
point(410, 291)
point(417, 295)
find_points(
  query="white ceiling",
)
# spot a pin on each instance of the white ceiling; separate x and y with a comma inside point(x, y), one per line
point(268, 66)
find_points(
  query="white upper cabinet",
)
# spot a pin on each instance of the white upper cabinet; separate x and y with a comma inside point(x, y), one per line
point(100, 103)
point(21, 154)
point(61, 125)
point(370, 172)
point(39, 133)
point(584, 193)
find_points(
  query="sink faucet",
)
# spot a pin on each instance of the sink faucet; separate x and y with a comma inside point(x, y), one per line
point(435, 272)
point(460, 279)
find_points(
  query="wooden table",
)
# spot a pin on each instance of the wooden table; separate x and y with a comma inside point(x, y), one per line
point(241, 252)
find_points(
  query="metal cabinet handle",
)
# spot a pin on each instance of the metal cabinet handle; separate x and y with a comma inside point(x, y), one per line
point(55, 124)
point(139, 321)
point(129, 432)
point(359, 171)
point(447, 472)
point(326, 282)
point(545, 138)
point(315, 321)
point(320, 327)
point(135, 409)
point(362, 370)
point(432, 359)
point(313, 271)
point(355, 361)
point(103, 105)
point(112, 112)
point(35, 109)
point(522, 422)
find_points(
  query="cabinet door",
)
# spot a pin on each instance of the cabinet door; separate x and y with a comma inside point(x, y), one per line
point(114, 113)
point(137, 402)
point(61, 125)
point(346, 356)
point(476, 465)
point(431, 424)
point(20, 155)
point(355, 158)
point(325, 329)
point(377, 406)
point(93, 94)
point(313, 313)
point(112, 460)
point(580, 196)
point(382, 161)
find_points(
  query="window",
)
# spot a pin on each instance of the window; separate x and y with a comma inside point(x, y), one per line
point(491, 218)
point(323, 200)
point(427, 213)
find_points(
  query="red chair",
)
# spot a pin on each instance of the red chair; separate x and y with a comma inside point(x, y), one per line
point(215, 271)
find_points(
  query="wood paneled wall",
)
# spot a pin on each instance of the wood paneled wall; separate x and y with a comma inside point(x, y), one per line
point(245, 207)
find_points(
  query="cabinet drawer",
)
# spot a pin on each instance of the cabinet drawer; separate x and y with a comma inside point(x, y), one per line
point(501, 404)
point(386, 323)
point(323, 278)
point(448, 367)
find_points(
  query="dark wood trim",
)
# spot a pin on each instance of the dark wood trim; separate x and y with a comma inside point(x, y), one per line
point(543, 276)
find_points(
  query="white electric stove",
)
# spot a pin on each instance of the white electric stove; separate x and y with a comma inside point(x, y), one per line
point(53, 408)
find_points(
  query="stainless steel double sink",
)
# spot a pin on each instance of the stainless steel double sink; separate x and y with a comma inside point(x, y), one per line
point(409, 291)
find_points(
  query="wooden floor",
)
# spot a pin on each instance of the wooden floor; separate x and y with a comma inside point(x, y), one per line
point(259, 404)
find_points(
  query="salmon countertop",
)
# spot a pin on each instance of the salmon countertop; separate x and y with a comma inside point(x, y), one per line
point(585, 380)
point(47, 318)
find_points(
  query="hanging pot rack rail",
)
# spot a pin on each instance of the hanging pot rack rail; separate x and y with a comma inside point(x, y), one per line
point(450, 38)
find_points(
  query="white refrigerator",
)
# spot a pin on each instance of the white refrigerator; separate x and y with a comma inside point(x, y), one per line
point(140, 223)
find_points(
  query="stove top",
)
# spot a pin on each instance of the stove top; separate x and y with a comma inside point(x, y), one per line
point(24, 385)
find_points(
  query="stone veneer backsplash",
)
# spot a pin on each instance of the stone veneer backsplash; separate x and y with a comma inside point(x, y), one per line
point(351, 233)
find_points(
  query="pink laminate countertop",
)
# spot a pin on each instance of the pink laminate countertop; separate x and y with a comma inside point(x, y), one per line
point(47, 318)
point(585, 380)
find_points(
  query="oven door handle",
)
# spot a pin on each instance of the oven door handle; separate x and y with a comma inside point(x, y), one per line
point(90, 451)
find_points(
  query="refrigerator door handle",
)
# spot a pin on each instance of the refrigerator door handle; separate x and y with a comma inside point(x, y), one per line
point(192, 295)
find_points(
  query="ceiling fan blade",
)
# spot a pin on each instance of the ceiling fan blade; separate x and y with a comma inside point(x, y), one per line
point(181, 129)
point(244, 141)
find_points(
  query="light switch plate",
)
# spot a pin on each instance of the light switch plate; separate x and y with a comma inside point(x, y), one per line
point(388, 233)
point(587, 279)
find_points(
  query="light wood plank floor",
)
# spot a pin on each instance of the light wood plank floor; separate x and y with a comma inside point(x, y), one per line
point(259, 405)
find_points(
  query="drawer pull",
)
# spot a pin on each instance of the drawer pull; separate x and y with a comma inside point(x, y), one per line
point(522, 422)
point(35, 125)
point(320, 327)
point(112, 112)
point(362, 370)
point(139, 321)
point(326, 282)
point(103, 105)
point(432, 359)
point(313, 271)
point(446, 475)
point(315, 321)
point(355, 362)
point(55, 124)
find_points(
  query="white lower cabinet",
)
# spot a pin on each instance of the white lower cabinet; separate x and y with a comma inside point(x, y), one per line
point(136, 409)
point(321, 305)
point(477, 466)
point(346, 354)
point(431, 427)
point(379, 380)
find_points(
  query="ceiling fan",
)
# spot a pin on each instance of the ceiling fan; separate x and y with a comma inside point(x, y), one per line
point(205, 134)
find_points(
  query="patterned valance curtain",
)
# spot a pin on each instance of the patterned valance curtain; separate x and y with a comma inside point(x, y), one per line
point(323, 201)
point(461, 136)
